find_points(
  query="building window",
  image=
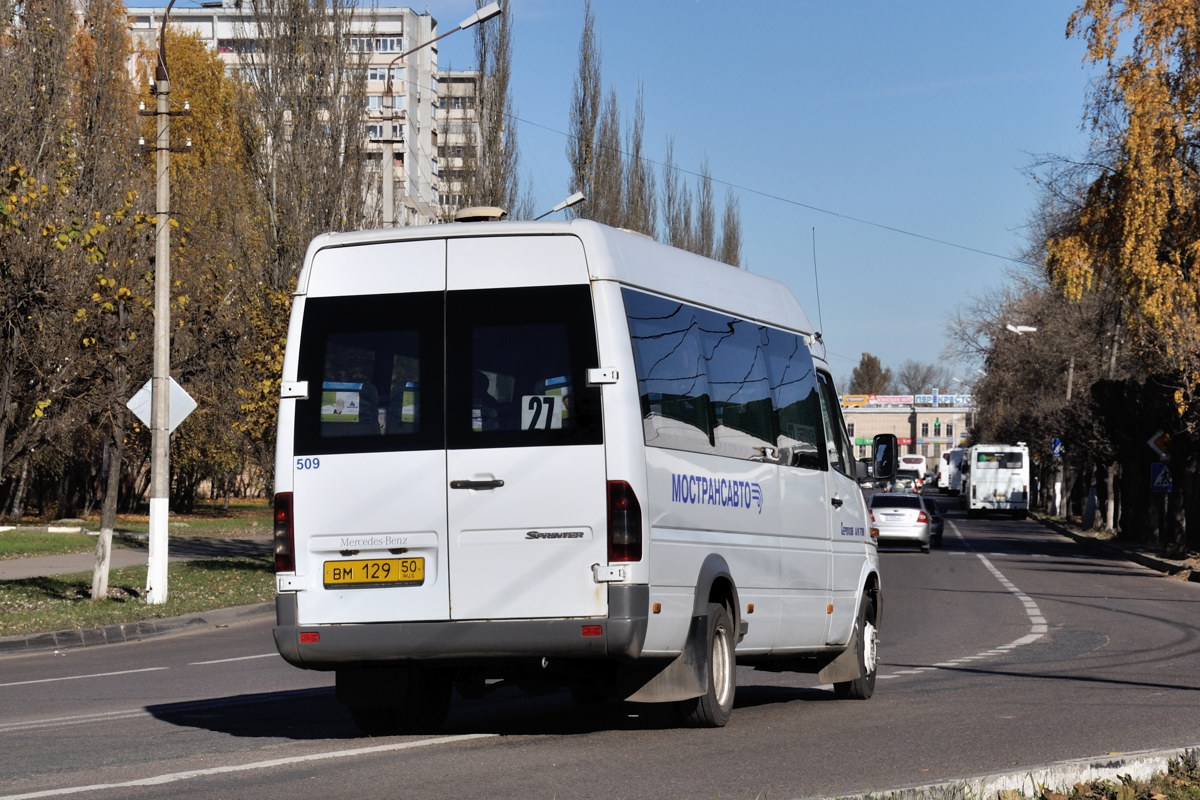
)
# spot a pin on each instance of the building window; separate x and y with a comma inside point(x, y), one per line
point(924, 428)
point(949, 430)
point(850, 429)
point(378, 44)
point(381, 74)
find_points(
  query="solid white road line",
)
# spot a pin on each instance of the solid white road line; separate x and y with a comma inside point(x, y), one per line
point(1037, 622)
point(172, 777)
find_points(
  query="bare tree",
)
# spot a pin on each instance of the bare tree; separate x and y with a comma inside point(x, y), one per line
point(677, 203)
point(641, 210)
point(606, 203)
point(497, 180)
point(585, 113)
point(706, 214)
point(303, 127)
point(917, 378)
point(730, 250)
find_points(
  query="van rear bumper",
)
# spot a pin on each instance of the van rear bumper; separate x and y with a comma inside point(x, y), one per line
point(620, 636)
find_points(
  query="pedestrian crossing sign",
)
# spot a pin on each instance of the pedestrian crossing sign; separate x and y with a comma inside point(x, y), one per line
point(1160, 477)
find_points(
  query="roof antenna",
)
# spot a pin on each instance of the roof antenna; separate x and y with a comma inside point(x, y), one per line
point(816, 280)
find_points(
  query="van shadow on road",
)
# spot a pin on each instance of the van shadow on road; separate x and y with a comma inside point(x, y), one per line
point(315, 714)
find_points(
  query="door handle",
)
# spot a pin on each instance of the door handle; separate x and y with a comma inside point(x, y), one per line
point(491, 483)
point(837, 502)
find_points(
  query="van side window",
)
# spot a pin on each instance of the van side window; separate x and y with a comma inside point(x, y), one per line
point(712, 383)
point(837, 442)
point(794, 388)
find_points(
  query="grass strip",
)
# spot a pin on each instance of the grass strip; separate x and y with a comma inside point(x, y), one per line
point(63, 602)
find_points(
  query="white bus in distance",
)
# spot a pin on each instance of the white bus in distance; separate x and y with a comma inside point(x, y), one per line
point(950, 470)
point(559, 454)
point(997, 479)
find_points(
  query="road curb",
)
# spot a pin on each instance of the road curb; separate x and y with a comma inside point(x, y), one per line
point(1140, 765)
point(132, 631)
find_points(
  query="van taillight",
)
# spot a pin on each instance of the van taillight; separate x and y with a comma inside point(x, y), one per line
point(624, 523)
point(285, 538)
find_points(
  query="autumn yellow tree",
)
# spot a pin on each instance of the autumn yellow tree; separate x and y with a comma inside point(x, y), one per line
point(217, 266)
point(66, 139)
point(1137, 230)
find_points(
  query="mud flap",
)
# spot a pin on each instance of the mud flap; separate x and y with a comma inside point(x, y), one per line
point(848, 666)
point(685, 677)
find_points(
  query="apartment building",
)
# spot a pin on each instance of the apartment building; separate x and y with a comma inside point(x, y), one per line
point(410, 131)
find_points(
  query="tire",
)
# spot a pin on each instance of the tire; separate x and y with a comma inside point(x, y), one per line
point(866, 643)
point(416, 700)
point(713, 708)
point(375, 721)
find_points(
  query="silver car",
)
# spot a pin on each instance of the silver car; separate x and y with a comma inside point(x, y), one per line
point(901, 517)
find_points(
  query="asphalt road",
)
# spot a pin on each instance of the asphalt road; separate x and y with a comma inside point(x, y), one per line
point(1008, 648)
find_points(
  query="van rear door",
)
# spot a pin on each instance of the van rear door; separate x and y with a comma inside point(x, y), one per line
point(526, 505)
point(369, 466)
point(448, 459)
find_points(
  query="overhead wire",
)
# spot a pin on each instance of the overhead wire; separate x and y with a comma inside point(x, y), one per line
point(793, 202)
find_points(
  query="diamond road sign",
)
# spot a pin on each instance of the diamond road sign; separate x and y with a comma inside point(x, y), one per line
point(179, 404)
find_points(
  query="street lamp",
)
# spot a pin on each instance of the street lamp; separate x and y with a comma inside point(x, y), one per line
point(573, 200)
point(388, 174)
point(1021, 329)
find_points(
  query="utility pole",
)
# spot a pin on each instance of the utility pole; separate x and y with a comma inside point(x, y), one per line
point(160, 429)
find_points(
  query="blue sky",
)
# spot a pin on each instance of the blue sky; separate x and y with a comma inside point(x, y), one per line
point(878, 148)
point(875, 130)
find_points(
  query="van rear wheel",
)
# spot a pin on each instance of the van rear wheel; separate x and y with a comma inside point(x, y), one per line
point(713, 708)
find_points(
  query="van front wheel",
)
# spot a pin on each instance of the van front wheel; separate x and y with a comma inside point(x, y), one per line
point(713, 708)
point(866, 643)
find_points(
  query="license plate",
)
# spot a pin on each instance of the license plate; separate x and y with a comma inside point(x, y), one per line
point(375, 572)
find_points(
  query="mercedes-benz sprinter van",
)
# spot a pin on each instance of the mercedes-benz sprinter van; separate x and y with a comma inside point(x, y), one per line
point(560, 454)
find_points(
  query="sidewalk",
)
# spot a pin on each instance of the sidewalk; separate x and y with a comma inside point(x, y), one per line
point(180, 549)
point(1144, 554)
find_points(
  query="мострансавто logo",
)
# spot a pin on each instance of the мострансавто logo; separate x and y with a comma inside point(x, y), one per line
point(707, 491)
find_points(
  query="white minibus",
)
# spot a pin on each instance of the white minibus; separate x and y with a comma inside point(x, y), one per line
point(997, 479)
point(913, 461)
point(556, 454)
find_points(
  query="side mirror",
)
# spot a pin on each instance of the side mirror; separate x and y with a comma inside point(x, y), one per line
point(886, 448)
